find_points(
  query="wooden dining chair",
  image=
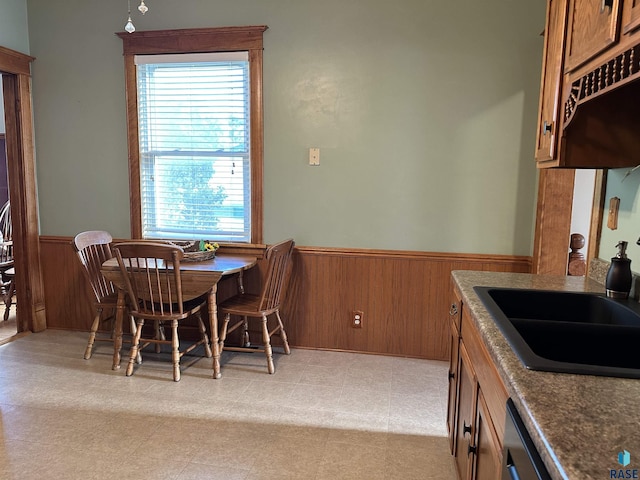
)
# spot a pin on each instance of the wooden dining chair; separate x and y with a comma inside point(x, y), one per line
point(154, 285)
point(10, 277)
point(261, 306)
point(92, 249)
point(5, 222)
point(6, 256)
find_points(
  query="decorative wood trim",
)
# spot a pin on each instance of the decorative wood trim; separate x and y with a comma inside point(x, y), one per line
point(197, 40)
point(614, 73)
point(16, 84)
point(257, 145)
point(133, 138)
point(510, 260)
point(15, 62)
point(193, 40)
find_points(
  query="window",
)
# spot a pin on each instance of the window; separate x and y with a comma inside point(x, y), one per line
point(193, 118)
point(195, 133)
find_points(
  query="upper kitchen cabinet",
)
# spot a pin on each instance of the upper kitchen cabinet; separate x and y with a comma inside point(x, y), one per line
point(593, 27)
point(588, 116)
point(551, 82)
point(630, 16)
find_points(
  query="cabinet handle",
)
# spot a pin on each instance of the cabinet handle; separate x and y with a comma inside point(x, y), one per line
point(606, 4)
point(471, 449)
point(453, 310)
point(546, 127)
point(465, 428)
point(452, 375)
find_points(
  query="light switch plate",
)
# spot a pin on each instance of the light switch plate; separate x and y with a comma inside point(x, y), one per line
point(314, 156)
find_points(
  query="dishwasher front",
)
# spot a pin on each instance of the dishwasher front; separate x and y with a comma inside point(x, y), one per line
point(521, 460)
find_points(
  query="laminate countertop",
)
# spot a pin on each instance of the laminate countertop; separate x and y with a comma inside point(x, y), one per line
point(578, 423)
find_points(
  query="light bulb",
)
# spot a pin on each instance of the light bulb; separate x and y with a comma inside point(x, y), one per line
point(142, 7)
point(129, 27)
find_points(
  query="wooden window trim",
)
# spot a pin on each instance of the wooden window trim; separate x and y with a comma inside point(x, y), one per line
point(197, 40)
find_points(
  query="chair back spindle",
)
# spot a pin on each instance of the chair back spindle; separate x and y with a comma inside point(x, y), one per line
point(152, 275)
point(93, 248)
point(277, 256)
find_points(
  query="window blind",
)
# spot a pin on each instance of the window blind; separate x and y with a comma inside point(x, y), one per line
point(195, 146)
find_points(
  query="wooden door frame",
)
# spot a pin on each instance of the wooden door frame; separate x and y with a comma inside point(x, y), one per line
point(553, 220)
point(16, 83)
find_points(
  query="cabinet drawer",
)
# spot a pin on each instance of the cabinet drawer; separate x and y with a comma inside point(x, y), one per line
point(489, 380)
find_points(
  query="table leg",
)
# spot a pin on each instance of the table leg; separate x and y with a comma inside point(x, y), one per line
point(213, 324)
point(117, 341)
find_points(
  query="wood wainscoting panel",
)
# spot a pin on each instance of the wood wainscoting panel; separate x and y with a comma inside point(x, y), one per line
point(404, 295)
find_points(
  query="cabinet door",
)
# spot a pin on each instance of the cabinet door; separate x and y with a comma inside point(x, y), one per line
point(453, 385)
point(631, 16)
point(593, 27)
point(551, 82)
point(488, 455)
point(467, 394)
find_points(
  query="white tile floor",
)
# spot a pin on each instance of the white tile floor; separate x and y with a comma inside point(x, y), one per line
point(322, 415)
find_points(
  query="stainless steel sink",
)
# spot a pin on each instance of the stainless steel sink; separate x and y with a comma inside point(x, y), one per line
point(582, 333)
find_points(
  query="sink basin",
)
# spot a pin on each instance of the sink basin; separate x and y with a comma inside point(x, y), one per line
point(569, 332)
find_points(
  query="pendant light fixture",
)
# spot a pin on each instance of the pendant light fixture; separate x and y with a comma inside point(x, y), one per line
point(142, 8)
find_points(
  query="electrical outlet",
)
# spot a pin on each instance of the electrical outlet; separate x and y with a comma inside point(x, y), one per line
point(356, 318)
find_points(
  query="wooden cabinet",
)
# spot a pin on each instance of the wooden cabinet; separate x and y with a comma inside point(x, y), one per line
point(593, 27)
point(487, 448)
point(630, 16)
point(549, 111)
point(479, 406)
point(588, 93)
point(464, 433)
point(455, 309)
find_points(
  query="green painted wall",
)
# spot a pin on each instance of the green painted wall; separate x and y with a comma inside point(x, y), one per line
point(424, 112)
point(13, 34)
point(626, 188)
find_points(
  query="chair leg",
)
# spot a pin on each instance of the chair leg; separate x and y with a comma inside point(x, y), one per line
point(133, 333)
point(223, 331)
point(159, 334)
point(246, 342)
point(204, 336)
point(175, 350)
point(283, 335)
point(8, 300)
point(92, 336)
point(267, 345)
point(135, 344)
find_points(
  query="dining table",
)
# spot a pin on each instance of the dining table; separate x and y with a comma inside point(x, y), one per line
point(198, 279)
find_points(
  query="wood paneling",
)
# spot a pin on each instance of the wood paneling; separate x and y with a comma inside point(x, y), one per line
point(404, 296)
